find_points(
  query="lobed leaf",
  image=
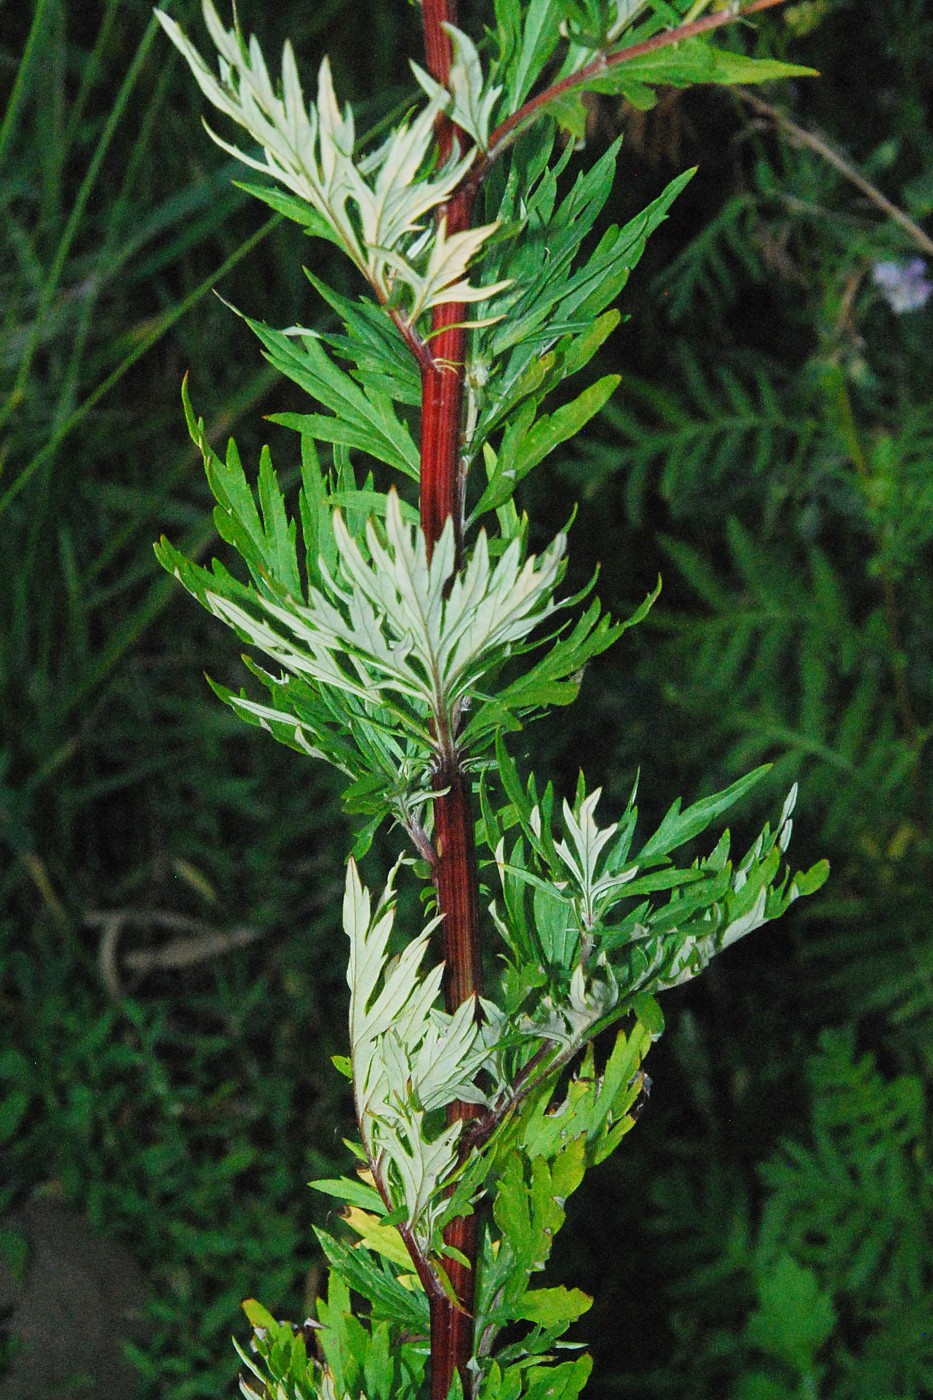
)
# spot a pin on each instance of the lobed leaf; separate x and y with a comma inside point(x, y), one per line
point(373, 208)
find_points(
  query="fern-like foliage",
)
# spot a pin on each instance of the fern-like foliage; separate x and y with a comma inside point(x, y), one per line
point(721, 428)
point(705, 272)
point(834, 1283)
point(779, 659)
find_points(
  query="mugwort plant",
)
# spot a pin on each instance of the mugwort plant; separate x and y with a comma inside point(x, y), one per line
point(401, 629)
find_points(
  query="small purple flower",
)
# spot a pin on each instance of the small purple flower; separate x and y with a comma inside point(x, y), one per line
point(904, 285)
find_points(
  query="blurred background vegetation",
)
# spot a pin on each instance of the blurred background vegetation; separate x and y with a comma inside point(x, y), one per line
point(169, 987)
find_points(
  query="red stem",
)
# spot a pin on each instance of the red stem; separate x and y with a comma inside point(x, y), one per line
point(442, 374)
point(442, 406)
point(455, 880)
point(439, 54)
point(455, 877)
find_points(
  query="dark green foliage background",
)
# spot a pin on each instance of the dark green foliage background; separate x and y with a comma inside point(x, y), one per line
point(766, 1232)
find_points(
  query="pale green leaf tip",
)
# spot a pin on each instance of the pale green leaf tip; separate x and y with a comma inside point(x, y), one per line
point(257, 1314)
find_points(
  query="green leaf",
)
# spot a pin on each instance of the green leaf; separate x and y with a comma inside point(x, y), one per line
point(375, 1235)
point(550, 291)
point(794, 1316)
point(375, 1280)
point(257, 1314)
point(697, 60)
point(554, 1307)
point(372, 504)
point(526, 444)
point(366, 421)
point(563, 1382)
point(355, 1193)
point(507, 30)
point(679, 826)
point(279, 531)
point(373, 344)
point(572, 115)
point(266, 544)
point(809, 881)
point(650, 1014)
point(579, 349)
point(663, 879)
point(554, 313)
point(555, 926)
point(556, 678)
point(540, 284)
point(292, 208)
point(528, 1215)
point(540, 37)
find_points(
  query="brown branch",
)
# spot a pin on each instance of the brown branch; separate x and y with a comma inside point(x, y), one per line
point(482, 1128)
point(426, 1275)
point(800, 136)
point(442, 398)
point(198, 942)
point(418, 347)
point(507, 131)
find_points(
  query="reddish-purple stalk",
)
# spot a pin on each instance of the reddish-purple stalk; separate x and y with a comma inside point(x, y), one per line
point(442, 364)
point(455, 878)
